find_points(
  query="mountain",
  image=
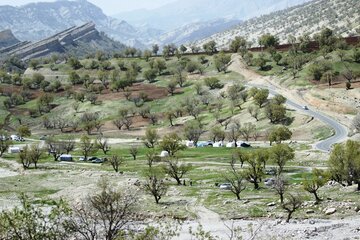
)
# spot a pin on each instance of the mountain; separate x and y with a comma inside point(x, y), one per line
point(343, 16)
point(79, 41)
point(194, 31)
point(183, 12)
point(7, 39)
point(47, 18)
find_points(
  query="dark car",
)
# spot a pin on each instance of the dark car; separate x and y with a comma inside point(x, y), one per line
point(245, 145)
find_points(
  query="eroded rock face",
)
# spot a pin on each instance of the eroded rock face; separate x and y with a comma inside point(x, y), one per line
point(7, 39)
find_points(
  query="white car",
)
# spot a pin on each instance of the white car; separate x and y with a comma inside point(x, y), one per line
point(225, 186)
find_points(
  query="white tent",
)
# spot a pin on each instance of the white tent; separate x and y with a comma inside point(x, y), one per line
point(164, 154)
point(218, 144)
point(230, 145)
point(190, 144)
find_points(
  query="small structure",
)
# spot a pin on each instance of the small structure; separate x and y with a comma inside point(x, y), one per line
point(230, 145)
point(14, 150)
point(190, 144)
point(66, 158)
point(218, 144)
point(164, 154)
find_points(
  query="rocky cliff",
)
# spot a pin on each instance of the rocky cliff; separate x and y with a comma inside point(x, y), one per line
point(62, 41)
point(7, 39)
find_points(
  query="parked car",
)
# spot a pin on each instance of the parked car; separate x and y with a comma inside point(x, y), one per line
point(305, 108)
point(205, 144)
point(17, 138)
point(269, 182)
point(97, 160)
point(245, 145)
point(81, 158)
point(225, 186)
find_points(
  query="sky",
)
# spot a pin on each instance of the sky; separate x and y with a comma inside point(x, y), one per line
point(110, 7)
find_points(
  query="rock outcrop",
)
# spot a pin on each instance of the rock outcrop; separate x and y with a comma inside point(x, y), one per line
point(55, 44)
point(7, 39)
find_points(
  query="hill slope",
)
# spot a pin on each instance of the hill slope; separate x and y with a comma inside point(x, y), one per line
point(343, 16)
point(48, 18)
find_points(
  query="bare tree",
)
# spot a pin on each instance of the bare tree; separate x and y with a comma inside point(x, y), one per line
point(247, 130)
point(134, 152)
point(291, 204)
point(152, 157)
point(175, 169)
point(87, 146)
point(116, 161)
point(104, 215)
point(55, 148)
point(155, 184)
point(279, 186)
point(102, 143)
point(69, 144)
point(236, 179)
point(254, 111)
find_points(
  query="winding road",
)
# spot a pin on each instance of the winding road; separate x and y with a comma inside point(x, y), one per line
point(340, 131)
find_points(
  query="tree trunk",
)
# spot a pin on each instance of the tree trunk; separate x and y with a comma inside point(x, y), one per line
point(289, 216)
point(238, 196)
point(256, 185)
point(317, 197)
point(281, 198)
point(358, 188)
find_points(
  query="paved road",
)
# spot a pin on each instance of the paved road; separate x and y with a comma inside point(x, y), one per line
point(341, 132)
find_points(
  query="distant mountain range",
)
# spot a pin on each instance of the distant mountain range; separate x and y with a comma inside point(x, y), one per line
point(183, 12)
point(342, 16)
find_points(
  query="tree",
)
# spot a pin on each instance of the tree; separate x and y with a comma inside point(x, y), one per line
point(277, 58)
point(44, 102)
point(275, 112)
point(183, 49)
point(171, 87)
point(268, 40)
point(151, 137)
point(344, 163)
point(313, 182)
point(74, 63)
point(89, 121)
point(241, 155)
point(69, 144)
point(87, 146)
point(356, 123)
point(134, 152)
point(280, 185)
point(222, 61)
point(32, 222)
point(151, 157)
point(147, 55)
point(279, 134)
point(172, 144)
point(247, 129)
point(150, 75)
point(55, 148)
point(4, 143)
point(193, 130)
point(30, 155)
point(103, 144)
point(261, 97)
point(260, 62)
point(75, 78)
point(155, 184)
point(236, 179)
point(176, 170)
point(34, 64)
point(239, 44)
point(180, 76)
point(210, 47)
point(255, 170)
point(254, 111)
point(104, 215)
point(217, 134)
point(233, 133)
point(280, 154)
point(155, 49)
point(116, 161)
point(291, 204)
point(213, 83)
point(23, 131)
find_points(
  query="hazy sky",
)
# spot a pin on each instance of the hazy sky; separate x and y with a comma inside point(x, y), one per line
point(110, 7)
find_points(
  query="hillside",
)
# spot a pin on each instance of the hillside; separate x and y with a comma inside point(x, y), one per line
point(7, 39)
point(47, 18)
point(79, 41)
point(184, 12)
point(341, 16)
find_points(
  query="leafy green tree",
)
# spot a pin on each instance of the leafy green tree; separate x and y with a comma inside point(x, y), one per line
point(268, 40)
point(34, 64)
point(260, 62)
point(74, 63)
point(279, 134)
point(33, 222)
point(150, 75)
point(239, 44)
point(210, 47)
point(275, 112)
point(255, 170)
point(344, 163)
point(280, 154)
point(318, 69)
point(23, 131)
point(183, 49)
point(261, 97)
point(277, 58)
point(313, 182)
point(151, 138)
point(222, 61)
point(213, 83)
point(193, 130)
point(147, 55)
point(172, 143)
